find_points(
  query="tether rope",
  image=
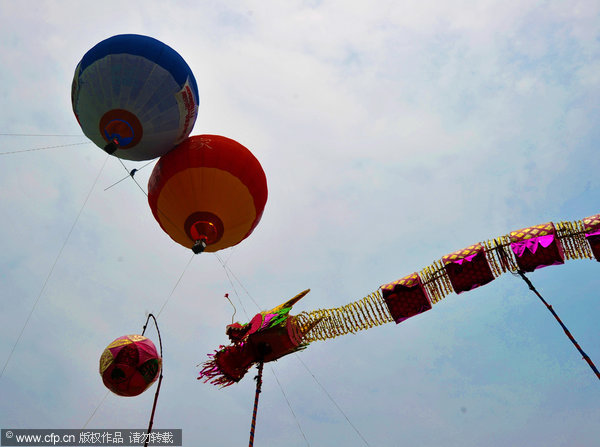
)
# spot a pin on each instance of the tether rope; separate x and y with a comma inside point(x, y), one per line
point(52, 268)
point(565, 329)
point(158, 314)
point(43, 148)
point(132, 177)
point(131, 174)
point(332, 400)
point(146, 194)
point(228, 271)
point(175, 286)
point(289, 406)
point(96, 409)
point(234, 288)
point(167, 217)
point(37, 135)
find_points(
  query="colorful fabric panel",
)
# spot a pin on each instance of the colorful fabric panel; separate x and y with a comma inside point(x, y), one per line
point(536, 247)
point(592, 233)
point(468, 268)
point(406, 297)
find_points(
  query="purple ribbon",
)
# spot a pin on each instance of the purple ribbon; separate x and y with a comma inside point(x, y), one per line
point(532, 244)
point(465, 259)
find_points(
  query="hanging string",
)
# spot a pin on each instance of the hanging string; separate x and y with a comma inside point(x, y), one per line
point(95, 410)
point(52, 268)
point(36, 135)
point(333, 401)
point(175, 286)
point(159, 378)
point(242, 286)
point(231, 252)
point(227, 272)
point(131, 174)
point(167, 217)
point(289, 406)
point(150, 315)
point(549, 307)
point(43, 148)
point(258, 379)
point(233, 286)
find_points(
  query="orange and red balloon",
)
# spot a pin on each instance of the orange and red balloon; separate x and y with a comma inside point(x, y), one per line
point(208, 188)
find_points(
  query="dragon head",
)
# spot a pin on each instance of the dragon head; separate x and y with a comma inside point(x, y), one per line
point(267, 337)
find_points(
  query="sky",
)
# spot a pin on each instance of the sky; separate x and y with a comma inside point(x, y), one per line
point(391, 133)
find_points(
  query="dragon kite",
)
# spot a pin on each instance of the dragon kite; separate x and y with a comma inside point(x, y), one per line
point(275, 333)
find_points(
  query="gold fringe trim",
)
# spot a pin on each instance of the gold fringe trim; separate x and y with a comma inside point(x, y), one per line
point(372, 310)
point(436, 281)
point(364, 314)
point(572, 237)
point(499, 255)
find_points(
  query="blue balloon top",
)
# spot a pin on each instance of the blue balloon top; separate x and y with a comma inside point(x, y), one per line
point(147, 47)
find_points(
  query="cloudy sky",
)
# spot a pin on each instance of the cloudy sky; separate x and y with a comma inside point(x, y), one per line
point(391, 134)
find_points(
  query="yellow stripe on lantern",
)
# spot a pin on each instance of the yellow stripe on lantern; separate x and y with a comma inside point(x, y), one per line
point(119, 342)
point(105, 360)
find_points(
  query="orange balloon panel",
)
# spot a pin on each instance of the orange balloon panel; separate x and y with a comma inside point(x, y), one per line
point(209, 187)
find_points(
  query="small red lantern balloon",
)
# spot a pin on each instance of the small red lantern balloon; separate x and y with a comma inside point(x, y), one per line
point(129, 365)
point(208, 193)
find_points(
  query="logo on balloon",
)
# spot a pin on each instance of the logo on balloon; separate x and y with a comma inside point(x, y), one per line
point(121, 127)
